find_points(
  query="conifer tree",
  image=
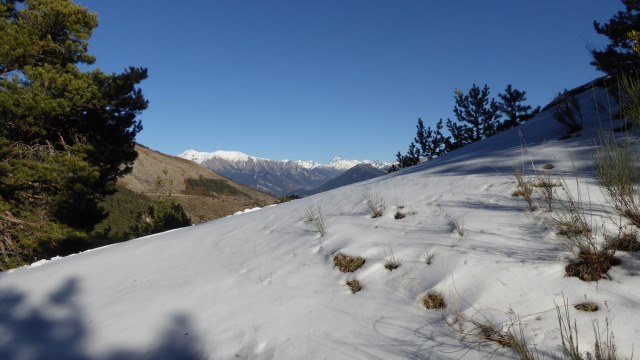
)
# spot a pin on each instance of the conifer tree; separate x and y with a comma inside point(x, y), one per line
point(477, 116)
point(411, 158)
point(512, 106)
point(65, 134)
point(618, 56)
point(431, 141)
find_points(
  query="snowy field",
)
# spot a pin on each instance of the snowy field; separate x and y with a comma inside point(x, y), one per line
point(261, 285)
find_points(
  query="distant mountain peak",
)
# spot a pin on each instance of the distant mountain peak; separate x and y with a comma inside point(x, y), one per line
point(278, 177)
point(337, 163)
point(200, 157)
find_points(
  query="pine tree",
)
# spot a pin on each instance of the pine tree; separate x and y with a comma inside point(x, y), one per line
point(65, 135)
point(477, 116)
point(431, 141)
point(411, 158)
point(512, 106)
point(618, 56)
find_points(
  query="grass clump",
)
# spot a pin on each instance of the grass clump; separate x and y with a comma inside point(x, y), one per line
point(315, 217)
point(392, 261)
point(524, 188)
point(616, 166)
point(510, 334)
point(624, 241)
point(376, 205)
point(604, 347)
point(427, 257)
point(354, 285)
point(630, 103)
point(433, 300)
point(592, 266)
point(457, 227)
point(346, 263)
point(546, 187)
point(587, 307)
point(594, 259)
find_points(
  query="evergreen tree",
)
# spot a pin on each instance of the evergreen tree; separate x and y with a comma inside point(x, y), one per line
point(411, 158)
point(512, 106)
point(477, 116)
point(65, 134)
point(422, 136)
point(459, 135)
point(619, 56)
point(431, 141)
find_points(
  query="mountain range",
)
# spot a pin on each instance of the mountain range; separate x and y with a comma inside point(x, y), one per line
point(278, 177)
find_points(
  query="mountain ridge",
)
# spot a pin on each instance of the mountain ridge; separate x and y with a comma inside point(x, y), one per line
point(279, 177)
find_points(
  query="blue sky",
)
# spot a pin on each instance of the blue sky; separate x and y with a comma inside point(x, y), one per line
point(294, 79)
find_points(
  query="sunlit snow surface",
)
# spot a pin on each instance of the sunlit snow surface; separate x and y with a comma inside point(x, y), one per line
point(260, 285)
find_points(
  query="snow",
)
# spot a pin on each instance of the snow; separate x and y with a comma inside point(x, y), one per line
point(200, 157)
point(236, 156)
point(261, 285)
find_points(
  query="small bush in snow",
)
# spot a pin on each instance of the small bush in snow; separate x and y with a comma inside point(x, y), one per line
point(354, 285)
point(630, 101)
point(546, 186)
point(346, 263)
point(586, 306)
point(616, 167)
point(524, 188)
point(392, 261)
point(426, 257)
point(315, 217)
point(433, 300)
point(603, 349)
point(623, 241)
point(593, 257)
point(376, 205)
point(457, 227)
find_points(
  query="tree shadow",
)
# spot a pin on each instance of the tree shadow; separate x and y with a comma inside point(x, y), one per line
point(57, 329)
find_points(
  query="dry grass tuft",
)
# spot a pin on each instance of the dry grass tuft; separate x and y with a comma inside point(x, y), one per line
point(592, 266)
point(354, 285)
point(506, 334)
point(376, 205)
point(457, 227)
point(392, 262)
point(433, 300)
point(616, 165)
point(587, 306)
point(524, 188)
point(346, 263)
point(572, 229)
point(547, 183)
point(624, 242)
point(315, 216)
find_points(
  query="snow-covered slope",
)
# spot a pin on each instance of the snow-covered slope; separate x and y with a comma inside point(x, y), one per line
point(261, 285)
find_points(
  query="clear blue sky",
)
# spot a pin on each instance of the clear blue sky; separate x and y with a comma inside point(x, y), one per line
point(298, 79)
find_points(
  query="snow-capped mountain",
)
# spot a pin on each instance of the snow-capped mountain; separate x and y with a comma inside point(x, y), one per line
point(279, 177)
